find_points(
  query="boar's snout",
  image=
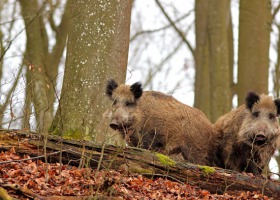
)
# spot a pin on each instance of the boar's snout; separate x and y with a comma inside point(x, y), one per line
point(114, 124)
point(260, 138)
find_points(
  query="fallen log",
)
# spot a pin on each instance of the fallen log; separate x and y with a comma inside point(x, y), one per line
point(135, 160)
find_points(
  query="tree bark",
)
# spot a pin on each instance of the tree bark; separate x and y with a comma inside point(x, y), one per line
point(276, 74)
point(35, 54)
point(54, 56)
point(42, 63)
point(202, 58)
point(231, 55)
point(220, 97)
point(97, 50)
point(137, 160)
point(213, 58)
point(253, 45)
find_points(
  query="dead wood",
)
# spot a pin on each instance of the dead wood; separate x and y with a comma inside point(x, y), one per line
point(136, 160)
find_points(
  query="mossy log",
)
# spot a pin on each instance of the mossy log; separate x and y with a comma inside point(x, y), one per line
point(135, 160)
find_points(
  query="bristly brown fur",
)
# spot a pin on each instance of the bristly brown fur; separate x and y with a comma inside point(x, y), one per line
point(161, 123)
point(247, 135)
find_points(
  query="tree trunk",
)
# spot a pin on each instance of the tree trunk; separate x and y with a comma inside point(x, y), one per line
point(202, 58)
point(253, 47)
point(276, 77)
point(41, 61)
point(220, 95)
point(35, 63)
point(54, 57)
point(97, 50)
point(214, 58)
point(231, 55)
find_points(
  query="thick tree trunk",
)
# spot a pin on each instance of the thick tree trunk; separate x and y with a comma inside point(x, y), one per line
point(202, 58)
point(213, 58)
point(220, 97)
point(97, 50)
point(136, 160)
point(253, 45)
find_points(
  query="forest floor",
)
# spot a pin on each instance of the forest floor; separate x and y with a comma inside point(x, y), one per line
point(25, 176)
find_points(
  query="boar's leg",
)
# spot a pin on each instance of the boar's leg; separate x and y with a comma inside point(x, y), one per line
point(253, 168)
point(240, 155)
point(148, 140)
point(194, 155)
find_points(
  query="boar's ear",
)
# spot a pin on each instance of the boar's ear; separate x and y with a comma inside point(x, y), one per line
point(136, 89)
point(251, 99)
point(111, 85)
point(277, 103)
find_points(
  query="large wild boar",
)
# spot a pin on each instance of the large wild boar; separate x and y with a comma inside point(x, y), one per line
point(155, 121)
point(248, 134)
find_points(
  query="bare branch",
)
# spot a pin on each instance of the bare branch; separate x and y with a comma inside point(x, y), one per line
point(32, 158)
point(3, 48)
point(11, 41)
point(51, 16)
point(157, 68)
point(5, 104)
point(181, 34)
point(275, 11)
point(159, 29)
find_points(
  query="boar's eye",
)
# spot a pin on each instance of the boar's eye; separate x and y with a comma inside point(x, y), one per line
point(271, 116)
point(129, 103)
point(256, 114)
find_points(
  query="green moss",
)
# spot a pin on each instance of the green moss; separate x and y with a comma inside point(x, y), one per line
point(73, 134)
point(206, 169)
point(165, 160)
point(139, 170)
point(70, 134)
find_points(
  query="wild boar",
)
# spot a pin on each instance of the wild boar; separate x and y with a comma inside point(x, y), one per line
point(248, 134)
point(155, 121)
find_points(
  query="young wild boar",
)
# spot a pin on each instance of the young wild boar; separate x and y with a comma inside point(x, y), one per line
point(155, 121)
point(248, 134)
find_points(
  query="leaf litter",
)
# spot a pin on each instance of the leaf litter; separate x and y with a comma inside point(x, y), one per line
point(66, 180)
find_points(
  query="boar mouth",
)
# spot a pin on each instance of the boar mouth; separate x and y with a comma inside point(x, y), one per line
point(117, 126)
point(259, 140)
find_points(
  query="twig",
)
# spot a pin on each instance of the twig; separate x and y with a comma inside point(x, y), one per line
point(25, 159)
point(275, 11)
point(82, 159)
point(156, 69)
point(101, 157)
point(4, 106)
point(164, 176)
point(24, 190)
point(158, 29)
point(4, 194)
point(19, 33)
point(181, 34)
